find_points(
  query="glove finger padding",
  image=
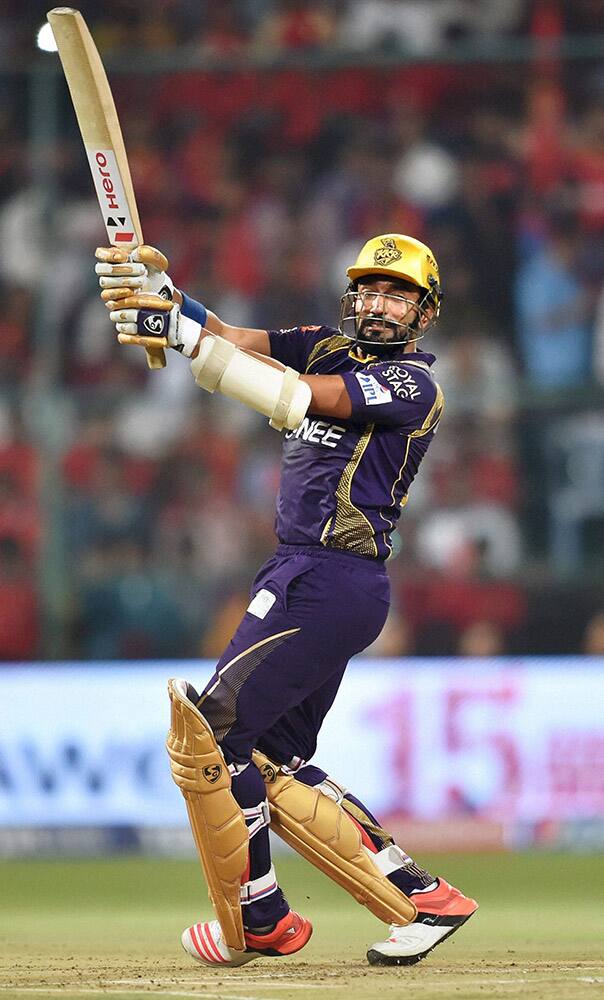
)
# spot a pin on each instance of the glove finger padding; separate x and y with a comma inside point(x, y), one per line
point(112, 255)
point(128, 338)
point(111, 296)
point(118, 270)
point(139, 300)
point(154, 259)
point(148, 256)
point(125, 281)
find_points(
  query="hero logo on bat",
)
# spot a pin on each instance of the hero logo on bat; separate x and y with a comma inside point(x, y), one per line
point(111, 195)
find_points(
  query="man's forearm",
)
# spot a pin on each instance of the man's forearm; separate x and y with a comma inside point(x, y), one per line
point(244, 337)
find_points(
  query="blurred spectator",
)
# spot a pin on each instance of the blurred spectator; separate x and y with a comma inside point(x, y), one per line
point(125, 609)
point(227, 616)
point(552, 308)
point(388, 25)
point(586, 169)
point(106, 507)
point(593, 640)
point(294, 25)
point(19, 515)
point(19, 610)
point(469, 533)
point(598, 369)
point(15, 346)
point(394, 639)
point(426, 175)
point(480, 378)
point(482, 638)
point(440, 607)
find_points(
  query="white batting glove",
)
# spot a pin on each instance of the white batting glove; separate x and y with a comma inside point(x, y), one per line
point(122, 271)
point(138, 293)
point(141, 318)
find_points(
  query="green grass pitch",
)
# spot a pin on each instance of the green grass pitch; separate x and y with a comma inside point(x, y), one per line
point(80, 929)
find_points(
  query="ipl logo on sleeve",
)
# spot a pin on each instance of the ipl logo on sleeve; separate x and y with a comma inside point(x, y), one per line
point(373, 391)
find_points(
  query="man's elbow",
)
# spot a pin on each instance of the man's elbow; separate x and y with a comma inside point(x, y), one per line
point(343, 407)
point(328, 400)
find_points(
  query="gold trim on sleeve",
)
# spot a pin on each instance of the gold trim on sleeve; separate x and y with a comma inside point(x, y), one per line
point(331, 345)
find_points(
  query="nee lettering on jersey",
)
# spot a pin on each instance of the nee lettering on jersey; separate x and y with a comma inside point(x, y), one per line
point(318, 432)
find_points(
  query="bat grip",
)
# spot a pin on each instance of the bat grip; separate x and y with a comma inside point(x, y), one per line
point(156, 357)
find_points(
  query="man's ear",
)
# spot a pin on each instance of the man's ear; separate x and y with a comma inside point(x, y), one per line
point(426, 316)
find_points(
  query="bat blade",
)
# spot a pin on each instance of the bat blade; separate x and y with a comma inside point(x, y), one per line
point(101, 133)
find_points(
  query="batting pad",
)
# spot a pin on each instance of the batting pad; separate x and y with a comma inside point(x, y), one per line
point(323, 833)
point(218, 825)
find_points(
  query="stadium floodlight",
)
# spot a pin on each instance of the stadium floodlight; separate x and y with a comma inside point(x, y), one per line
point(45, 39)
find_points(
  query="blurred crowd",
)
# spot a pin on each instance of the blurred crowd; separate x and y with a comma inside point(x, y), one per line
point(149, 505)
point(268, 29)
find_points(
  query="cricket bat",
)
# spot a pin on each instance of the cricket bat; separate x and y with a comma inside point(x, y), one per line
point(101, 133)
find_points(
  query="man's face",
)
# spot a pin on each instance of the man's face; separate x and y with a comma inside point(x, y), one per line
point(381, 304)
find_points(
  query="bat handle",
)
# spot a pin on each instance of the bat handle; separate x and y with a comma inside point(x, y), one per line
point(156, 357)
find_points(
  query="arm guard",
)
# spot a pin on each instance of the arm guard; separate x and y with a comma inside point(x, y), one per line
point(279, 394)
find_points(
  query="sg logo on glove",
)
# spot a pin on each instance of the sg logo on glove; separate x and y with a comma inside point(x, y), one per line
point(151, 323)
point(212, 772)
point(154, 324)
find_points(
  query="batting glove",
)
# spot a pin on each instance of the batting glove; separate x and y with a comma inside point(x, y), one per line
point(121, 271)
point(143, 318)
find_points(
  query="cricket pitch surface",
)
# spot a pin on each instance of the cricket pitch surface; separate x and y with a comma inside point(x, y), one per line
point(111, 928)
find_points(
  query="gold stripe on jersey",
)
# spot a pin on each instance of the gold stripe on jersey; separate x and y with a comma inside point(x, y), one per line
point(434, 415)
point(325, 531)
point(351, 529)
point(329, 345)
point(429, 424)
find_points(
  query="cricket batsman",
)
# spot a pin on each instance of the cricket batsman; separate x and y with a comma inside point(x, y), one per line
point(358, 407)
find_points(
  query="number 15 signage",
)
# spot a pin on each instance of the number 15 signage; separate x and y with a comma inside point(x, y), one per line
point(522, 742)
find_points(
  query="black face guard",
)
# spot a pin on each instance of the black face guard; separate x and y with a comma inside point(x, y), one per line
point(381, 334)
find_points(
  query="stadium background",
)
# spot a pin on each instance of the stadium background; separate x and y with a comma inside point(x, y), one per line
point(267, 141)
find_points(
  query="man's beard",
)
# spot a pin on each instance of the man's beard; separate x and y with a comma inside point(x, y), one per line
point(375, 329)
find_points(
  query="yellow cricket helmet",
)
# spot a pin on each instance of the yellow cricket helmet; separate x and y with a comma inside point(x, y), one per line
point(399, 257)
point(407, 260)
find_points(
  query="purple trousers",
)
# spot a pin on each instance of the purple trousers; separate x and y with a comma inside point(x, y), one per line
point(312, 609)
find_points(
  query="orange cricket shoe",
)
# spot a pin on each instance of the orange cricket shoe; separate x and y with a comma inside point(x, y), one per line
point(205, 942)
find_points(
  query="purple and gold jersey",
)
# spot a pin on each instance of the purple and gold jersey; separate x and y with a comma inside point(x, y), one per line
point(344, 482)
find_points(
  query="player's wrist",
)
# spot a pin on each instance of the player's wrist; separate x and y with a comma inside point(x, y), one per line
point(192, 309)
point(186, 333)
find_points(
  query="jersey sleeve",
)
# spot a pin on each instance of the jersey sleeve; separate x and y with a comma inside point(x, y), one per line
point(293, 347)
point(396, 395)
